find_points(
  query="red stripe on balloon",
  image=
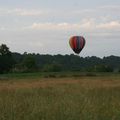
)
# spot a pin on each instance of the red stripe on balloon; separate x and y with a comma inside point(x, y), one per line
point(72, 43)
point(75, 42)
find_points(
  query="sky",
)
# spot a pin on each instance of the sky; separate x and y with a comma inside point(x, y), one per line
point(45, 26)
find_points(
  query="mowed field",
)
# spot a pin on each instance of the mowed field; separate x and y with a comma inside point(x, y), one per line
point(60, 98)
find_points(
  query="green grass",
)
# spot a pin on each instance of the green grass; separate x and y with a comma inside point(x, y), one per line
point(69, 98)
point(53, 75)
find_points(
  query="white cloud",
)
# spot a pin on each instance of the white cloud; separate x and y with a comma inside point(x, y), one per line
point(113, 25)
point(101, 13)
point(85, 25)
point(35, 44)
point(110, 7)
point(53, 26)
point(22, 12)
point(2, 28)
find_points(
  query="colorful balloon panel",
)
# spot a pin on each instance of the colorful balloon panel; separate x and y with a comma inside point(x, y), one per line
point(77, 43)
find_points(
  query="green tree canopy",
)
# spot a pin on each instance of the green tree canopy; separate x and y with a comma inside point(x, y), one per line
point(6, 59)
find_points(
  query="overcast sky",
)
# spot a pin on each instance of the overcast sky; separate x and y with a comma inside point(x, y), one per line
point(45, 26)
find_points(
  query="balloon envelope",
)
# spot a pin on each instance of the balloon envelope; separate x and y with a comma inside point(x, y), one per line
point(77, 43)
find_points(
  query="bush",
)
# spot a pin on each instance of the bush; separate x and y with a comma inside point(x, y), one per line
point(52, 68)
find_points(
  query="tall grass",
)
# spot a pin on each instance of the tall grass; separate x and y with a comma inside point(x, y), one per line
point(83, 98)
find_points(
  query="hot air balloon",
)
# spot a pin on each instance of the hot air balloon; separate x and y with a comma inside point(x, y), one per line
point(77, 43)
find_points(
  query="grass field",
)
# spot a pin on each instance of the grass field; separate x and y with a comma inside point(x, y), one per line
point(60, 97)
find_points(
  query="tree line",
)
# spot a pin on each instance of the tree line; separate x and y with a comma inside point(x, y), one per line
point(31, 62)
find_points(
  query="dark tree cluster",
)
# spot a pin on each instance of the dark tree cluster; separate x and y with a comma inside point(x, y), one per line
point(7, 62)
point(30, 62)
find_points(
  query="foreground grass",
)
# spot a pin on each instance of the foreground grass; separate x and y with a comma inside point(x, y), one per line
point(71, 98)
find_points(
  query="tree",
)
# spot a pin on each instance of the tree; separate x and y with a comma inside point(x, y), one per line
point(4, 50)
point(52, 68)
point(6, 60)
point(29, 63)
point(103, 68)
